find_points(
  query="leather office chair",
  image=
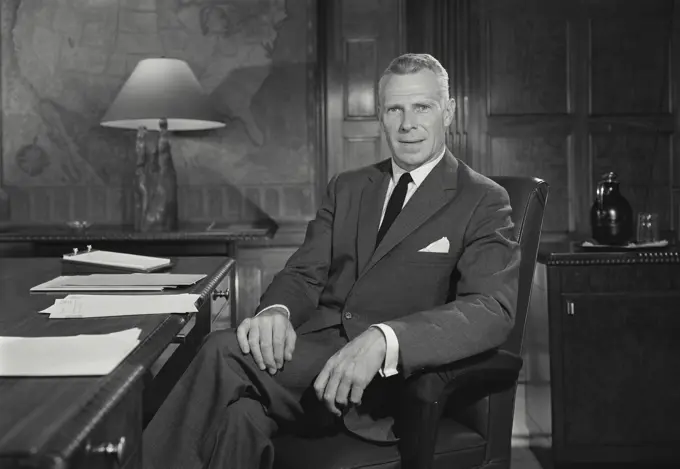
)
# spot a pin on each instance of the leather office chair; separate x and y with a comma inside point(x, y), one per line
point(474, 428)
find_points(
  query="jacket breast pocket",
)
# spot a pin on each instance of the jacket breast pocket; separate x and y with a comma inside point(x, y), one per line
point(434, 259)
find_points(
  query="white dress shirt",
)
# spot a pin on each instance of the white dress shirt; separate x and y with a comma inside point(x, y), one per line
point(418, 175)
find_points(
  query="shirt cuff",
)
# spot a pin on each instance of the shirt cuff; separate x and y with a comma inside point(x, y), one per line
point(391, 351)
point(275, 306)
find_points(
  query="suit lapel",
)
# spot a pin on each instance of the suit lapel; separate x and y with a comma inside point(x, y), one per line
point(370, 209)
point(438, 188)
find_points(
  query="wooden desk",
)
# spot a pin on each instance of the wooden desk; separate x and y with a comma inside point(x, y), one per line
point(61, 422)
point(602, 356)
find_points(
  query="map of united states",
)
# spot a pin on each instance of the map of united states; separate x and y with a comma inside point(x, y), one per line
point(65, 60)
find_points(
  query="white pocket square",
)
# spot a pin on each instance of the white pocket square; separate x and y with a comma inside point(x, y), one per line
point(440, 246)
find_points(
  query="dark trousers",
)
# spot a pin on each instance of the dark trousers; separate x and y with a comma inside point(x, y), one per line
point(224, 410)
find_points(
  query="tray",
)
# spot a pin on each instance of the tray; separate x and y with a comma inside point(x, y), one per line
point(590, 246)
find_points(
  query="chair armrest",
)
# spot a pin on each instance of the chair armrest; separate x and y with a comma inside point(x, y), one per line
point(495, 367)
point(425, 396)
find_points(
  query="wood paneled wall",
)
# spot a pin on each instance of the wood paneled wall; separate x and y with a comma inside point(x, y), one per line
point(564, 91)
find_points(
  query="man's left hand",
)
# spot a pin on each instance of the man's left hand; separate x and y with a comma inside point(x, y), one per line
point(348, 372)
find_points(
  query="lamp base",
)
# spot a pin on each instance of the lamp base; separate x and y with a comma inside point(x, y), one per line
point(155, 184)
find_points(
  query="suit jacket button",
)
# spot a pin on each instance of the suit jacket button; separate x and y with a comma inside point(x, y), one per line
point(348, 315)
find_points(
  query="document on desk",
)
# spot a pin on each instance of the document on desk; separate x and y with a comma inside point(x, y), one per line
point(118, 282)
point(101, 306)
point(118, 259)
point(80, 355)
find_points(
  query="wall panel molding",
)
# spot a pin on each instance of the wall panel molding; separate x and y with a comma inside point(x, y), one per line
point(361, 72)
point(109, 205)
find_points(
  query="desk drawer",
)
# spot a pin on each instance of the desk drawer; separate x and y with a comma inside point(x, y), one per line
point(221, 301)
point(115, 441)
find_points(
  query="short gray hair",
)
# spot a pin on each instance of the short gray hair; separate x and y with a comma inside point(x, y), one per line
point(407, 64)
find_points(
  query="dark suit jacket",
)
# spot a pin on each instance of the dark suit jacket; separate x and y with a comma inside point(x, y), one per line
point(442, 307)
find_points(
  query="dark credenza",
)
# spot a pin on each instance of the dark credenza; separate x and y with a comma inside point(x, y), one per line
point(188, 240)
point(602, 353)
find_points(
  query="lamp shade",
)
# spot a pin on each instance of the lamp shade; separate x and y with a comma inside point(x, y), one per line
point(162, 88)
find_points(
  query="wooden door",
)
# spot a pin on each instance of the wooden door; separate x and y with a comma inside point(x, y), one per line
point(363, 36)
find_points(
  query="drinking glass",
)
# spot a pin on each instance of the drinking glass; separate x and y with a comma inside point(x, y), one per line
point(647, 227)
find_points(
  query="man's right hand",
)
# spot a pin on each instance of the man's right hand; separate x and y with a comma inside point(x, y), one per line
point(269, 337)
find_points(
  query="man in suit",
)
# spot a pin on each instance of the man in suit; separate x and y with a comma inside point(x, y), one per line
point(409, 263)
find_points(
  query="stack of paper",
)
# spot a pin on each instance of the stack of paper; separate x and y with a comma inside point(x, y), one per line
point(80, 355)
point(118, 259)
point(118, 282)
point(98, 306)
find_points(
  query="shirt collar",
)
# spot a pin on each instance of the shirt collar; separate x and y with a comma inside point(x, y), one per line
point(420, 173)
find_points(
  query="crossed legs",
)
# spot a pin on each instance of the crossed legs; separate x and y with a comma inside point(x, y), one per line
point(224, 410)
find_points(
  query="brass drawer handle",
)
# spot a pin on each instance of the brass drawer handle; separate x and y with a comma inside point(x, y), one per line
point(220, 294)
point(570, 308)
point(109, 450)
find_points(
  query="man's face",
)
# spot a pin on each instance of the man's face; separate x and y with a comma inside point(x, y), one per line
point(414, 117)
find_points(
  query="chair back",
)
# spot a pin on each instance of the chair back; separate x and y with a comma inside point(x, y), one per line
point(528, 197)
point(492, 416)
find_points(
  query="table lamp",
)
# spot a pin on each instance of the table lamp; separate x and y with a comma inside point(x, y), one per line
point(161, 95)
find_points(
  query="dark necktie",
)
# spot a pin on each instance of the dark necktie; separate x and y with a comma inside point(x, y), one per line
point(394, 205)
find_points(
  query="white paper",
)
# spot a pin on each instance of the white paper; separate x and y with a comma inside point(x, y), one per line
point(99, 306)
point(119, 259)
point(137, 279)
point(117, 282)
point(95, 288)
point(80, 355)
